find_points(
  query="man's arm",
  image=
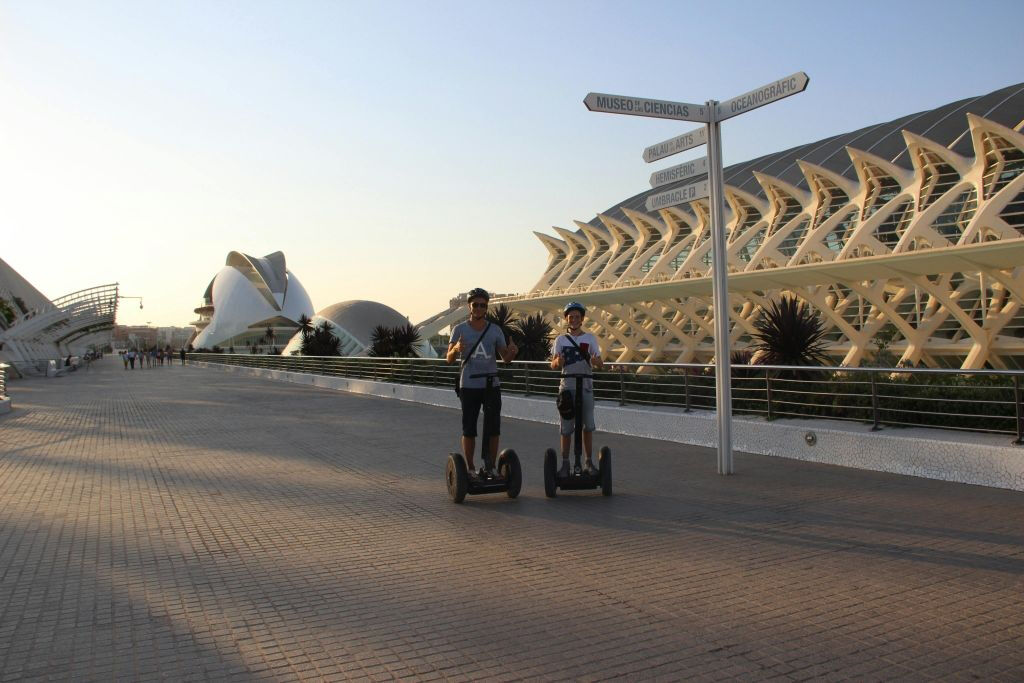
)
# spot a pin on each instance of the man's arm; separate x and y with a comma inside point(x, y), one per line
point(454, 349)
point(509, 352)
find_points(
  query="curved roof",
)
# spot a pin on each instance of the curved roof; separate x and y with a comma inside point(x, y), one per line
point(359, 317)
point(946, 125)
point(267, 274)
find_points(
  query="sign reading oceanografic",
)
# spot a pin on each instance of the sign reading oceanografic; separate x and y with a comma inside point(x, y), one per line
point(680, 195)
point(680, 143)
point(640, 106)
point(682, 171)
point(766, 94)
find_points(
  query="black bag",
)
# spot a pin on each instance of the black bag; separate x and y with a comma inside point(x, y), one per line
point(458, 375)
point(565, 404)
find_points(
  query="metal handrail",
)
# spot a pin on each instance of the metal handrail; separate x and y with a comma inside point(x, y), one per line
point(968, 400)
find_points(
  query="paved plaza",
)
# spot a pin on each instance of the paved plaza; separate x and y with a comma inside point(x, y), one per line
point(189, 524)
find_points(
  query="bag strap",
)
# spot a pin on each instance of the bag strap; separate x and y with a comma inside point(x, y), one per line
point(478, 340)
point(586, 354)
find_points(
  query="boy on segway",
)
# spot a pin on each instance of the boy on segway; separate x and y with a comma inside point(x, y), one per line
point(574, 353)
point(477, 343)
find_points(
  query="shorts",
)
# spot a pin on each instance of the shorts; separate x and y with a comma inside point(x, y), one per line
point(588, 414)
point(472, 401)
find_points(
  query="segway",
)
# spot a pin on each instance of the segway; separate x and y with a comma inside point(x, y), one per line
point(577, 478)
point(507, 477)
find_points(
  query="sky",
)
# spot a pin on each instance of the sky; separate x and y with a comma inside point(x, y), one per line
point(405, 151)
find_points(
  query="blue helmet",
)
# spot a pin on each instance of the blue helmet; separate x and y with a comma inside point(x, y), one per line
point(574, 306)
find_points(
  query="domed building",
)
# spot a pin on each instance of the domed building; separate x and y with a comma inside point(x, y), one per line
point(245, 298)
point(353, 323)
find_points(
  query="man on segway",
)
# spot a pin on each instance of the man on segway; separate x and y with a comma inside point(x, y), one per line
point(577, 352)
point(477, 343)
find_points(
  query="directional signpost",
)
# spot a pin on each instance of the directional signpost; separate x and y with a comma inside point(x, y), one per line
point(682, 171)
point(712, 113)
point(680, 143)
point(680, 195)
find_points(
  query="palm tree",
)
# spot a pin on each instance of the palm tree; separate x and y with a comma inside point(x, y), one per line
point(321, 341)
point(404, 339)
point(269, 335)
point(503, 316)
point(381, 343)
point(533, 337)
point(789, 332)
point(305, 325)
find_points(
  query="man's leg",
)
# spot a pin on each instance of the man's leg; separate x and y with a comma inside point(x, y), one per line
point(471, 403)
point(468, 448)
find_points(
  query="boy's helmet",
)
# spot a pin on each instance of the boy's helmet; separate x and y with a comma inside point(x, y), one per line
point(574, 306)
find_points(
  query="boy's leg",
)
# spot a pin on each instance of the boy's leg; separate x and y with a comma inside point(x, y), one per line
point(588, 429)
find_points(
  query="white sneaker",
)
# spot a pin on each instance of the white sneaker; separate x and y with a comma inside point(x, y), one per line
point(590, 468)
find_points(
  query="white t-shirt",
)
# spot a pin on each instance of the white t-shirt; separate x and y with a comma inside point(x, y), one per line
point(573, 361)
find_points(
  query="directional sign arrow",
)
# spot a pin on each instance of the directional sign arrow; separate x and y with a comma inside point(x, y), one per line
point(679, 172)
point(680, 195)
point(766, 94)
point(680, 143)
point(640, 106)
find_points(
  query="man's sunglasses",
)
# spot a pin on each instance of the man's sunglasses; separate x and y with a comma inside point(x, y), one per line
point(477, 304)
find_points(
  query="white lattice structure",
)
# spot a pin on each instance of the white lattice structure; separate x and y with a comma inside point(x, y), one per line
point(66, 326)
point(927, 237)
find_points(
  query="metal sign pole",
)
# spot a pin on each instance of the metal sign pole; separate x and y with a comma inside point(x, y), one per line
point(723, 389)
point(711, 114)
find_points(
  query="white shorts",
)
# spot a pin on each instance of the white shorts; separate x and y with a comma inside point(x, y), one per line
point(588, 414)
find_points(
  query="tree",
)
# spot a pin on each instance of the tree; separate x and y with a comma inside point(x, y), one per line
point(532, 335)
point(305, 325)
point(883, 357)
point(321, 341)
point(503, 316)
point(381, 342)
point(7, 312)
point(268, 334)
point(789, 332)
point(404, 339)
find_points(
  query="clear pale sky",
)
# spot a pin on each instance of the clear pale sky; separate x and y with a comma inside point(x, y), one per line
point(405, 151)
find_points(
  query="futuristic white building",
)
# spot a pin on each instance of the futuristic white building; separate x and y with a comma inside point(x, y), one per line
point(917, 222)
point(41, 330)
point(245, 298)
point(353, 323)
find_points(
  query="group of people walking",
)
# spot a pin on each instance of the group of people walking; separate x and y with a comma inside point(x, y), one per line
point(148, 358)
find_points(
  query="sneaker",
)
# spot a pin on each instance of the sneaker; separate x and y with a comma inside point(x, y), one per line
point(590, 468)
point(564, 472)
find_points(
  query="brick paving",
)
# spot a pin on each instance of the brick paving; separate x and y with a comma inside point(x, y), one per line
point(188, 524)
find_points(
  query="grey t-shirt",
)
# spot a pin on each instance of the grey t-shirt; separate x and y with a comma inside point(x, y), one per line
point(485, 356)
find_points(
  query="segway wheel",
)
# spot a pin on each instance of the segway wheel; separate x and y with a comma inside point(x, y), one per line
point(511, 471)
point(604, 465)
point(550, 470)
point(457, 477)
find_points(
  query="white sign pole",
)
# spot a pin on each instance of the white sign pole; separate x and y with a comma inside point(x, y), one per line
point(720, 293)
point(712, 114)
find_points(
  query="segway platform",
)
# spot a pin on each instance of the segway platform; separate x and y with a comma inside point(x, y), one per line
point(507, 477)
point(578, 480)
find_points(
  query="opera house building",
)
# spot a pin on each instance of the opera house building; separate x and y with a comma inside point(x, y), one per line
point(916, 223)
point(248, 297)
